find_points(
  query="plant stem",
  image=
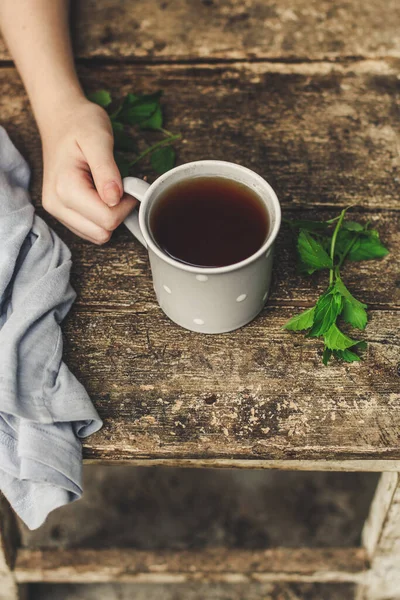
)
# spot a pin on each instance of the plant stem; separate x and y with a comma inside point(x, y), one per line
point(347, 250)
point(333, 243)
point(164, 142)
point(166, 132)
point(333, 220)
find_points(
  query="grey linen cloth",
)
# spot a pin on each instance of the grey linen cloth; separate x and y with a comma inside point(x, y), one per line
point(44, 410)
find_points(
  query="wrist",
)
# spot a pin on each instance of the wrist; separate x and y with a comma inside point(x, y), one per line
point(55, 107)
point(56, 115)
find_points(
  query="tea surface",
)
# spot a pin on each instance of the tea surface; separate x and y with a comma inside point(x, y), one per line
point(209, 222)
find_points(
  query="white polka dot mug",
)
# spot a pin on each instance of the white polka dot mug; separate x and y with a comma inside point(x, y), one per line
point(206, 300)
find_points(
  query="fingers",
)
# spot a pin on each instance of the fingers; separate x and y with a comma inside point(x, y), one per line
point(77, 205)
point(77, 194)
point(83, 227)
point(98, 151)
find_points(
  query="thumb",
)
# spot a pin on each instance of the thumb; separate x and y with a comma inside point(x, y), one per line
point(106, 176)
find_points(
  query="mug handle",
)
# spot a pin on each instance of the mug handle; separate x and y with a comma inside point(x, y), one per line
point(137, 188)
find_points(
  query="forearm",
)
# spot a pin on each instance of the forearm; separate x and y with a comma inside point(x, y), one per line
point(37, 35)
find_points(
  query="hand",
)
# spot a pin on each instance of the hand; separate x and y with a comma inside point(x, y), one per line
point(82, 186)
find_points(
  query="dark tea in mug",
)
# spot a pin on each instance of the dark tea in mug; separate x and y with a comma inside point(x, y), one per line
point(209, 222)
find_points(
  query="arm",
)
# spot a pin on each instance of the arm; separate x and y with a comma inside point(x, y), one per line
point(81, 183)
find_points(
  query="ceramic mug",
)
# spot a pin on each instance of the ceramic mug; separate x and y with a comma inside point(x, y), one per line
point(206, 299)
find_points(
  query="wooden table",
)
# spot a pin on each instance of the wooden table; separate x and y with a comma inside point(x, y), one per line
point(306, 93)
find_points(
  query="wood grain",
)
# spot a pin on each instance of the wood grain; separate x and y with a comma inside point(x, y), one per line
point(316, 159)
point(118, 275)
point(324, 136)
point(209, 565)
point(379, 510)
point(234, 29)
point(358, 466)
point(381, 537)
point(257, 393)
point(9, 541)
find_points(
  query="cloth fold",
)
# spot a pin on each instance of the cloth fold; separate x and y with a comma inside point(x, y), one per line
point(44, 410)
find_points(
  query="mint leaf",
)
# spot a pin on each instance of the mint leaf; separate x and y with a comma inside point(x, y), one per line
point(326, 355)
point(354, 311)
point(336, 340)
point(367, 247)
point(102, 98)
point(163, 159)
point(352, 226)
point(122, 164)
point(116, 125)
point(316, 244)
point(155, 121)
point(124, 143)
point(343, 239)
point(136, 110)
point(129, 100)
point(346, 355)
point(312, 254)
point(327, 309)
point(303, 320)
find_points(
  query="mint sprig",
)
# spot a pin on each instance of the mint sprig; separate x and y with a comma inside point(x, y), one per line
point(138, 112)
point(326, 245)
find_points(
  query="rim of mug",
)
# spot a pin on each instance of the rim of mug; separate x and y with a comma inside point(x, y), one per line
point(209, 270)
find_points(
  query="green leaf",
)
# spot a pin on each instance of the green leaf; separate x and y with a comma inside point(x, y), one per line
point(346, 355)
point(124, 142)
point(327, 309)
point(312, 254)
point(102, 98)
point(326, 355)
point(343, 239)
point(336, 340)
point(368, 247)
point(129, 100)
point(352, 226)
point(116, 125)
point(155, 121)
point(304, 269)
point(163, 159)
point(361, 345)
point(354, 311)
point(122, 164)
point(303, 320)
point(136, 110)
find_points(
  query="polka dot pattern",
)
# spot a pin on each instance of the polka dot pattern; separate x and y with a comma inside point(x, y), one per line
point(241, 298)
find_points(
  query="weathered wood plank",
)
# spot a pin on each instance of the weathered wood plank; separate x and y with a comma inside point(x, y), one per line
point(354, 466)
point(323, 135)
point(257, 393)
point(381, 537)
point(234, 29)
point(104, 276)
point(380, 507)
point(209, 565)
point(9, 536)
point(118, 275)
point(9, 541)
